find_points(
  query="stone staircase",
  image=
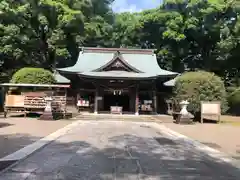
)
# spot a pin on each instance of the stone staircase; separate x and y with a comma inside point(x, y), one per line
point(110, 117)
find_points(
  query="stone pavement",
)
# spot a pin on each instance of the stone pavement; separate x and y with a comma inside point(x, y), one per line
point(119, 151)
point(16, 133)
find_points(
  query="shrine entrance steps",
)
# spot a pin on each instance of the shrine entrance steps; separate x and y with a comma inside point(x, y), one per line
point(111, 117)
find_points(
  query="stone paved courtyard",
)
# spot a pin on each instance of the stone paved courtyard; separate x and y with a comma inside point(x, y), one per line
point(15, 133)
point(119, 151)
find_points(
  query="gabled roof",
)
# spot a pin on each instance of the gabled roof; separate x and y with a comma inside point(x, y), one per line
point(60, 79)
point(142, 62)
point(118, 60)
point(171, 82)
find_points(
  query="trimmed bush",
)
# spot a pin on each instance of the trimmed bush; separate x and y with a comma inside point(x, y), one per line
point(33, 76)
point(200, 86)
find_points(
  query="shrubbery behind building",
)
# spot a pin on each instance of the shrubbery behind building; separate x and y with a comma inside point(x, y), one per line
point(33, 76)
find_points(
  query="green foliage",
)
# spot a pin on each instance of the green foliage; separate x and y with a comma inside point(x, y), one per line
point(33, 76)
point(234, 101)
point(200, 86)
point(234, 97)
point(230, 90)
point(48, 33)
point(192, 34)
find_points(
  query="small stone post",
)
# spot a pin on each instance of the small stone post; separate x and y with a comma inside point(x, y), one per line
point(47, 114)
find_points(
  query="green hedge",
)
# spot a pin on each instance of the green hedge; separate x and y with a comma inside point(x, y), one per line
point(200, 86)
point(33, 76)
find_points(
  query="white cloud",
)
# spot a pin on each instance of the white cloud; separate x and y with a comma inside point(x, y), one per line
point(123, 6)
point(147, 4)
point(134, 5)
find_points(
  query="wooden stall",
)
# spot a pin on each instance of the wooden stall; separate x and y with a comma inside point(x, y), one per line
point(30, 98)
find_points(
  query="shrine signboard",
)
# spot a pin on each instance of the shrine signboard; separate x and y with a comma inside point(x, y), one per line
point(14, 101)
point(210, 109)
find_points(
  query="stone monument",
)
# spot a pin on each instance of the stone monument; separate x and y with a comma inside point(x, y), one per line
point(185, 115)
point(47, 114)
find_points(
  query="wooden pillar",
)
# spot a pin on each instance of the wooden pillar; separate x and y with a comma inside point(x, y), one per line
point(65, 107)
point(137, 101)
point(3, 98)
point(76, 99)
point(154, 102)
point(78, 96)
point(132, 100)
point(96, 102)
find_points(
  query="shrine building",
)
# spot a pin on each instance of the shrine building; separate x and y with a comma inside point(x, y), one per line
point(105, 78)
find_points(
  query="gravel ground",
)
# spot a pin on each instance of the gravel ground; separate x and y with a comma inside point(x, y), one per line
point(224, 137)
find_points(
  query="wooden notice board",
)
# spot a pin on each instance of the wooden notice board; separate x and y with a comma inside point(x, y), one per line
point(14, 101)
point(210, 109)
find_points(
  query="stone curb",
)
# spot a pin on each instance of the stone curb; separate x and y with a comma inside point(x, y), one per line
point(28, 150)
point(213, 153)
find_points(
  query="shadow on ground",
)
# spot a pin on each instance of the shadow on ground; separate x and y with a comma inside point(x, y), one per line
point(124, 157)
point(12, 143)
point(2, 125)
point(212, 145)
point(237, 155)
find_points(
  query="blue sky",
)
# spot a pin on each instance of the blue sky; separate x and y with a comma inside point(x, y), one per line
point(134, 5)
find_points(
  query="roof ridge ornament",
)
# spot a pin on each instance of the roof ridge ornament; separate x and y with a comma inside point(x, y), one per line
point(117, 53)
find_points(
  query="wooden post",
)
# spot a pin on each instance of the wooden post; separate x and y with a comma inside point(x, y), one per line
point(137, 102)
point(201, 112)
point(76, 101)
point(3, 102)
point(201, 118)
point(96, 102)
point(65, 107)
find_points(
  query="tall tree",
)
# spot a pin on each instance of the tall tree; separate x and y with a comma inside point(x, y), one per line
point(189, 34)
point(48, 33)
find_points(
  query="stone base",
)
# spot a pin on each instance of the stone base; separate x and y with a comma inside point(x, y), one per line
point(184, 118)
point(136, 113)
point(188, 115)
point(47, 116)
point(185, 121)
